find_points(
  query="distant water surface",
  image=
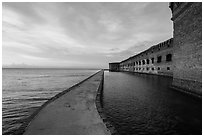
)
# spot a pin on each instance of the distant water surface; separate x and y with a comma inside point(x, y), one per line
point(25, 90)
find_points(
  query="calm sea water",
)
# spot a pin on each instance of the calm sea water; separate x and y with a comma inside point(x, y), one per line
point(144, 104)
point(25, 90)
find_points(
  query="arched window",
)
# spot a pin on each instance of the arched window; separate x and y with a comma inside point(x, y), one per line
point(159, 58)
point(152, 60)
point(147, 61)
point(168, 68)
point(169, 57)
point(143, 62)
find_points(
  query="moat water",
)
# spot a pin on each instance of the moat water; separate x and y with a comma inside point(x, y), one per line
point(144, 104)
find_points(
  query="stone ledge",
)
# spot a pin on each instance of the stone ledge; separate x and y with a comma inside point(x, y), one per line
point(99, 107)
point(185, 91)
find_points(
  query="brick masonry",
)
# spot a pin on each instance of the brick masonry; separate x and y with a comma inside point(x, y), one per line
point(114, 66)
point(143, 63)
point(187, 72)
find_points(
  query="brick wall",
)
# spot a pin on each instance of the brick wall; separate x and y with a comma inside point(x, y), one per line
point(187, 72)
point(114, 66)
point(159, 68)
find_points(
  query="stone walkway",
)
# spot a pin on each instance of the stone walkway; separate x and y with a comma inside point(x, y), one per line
point(74, 113)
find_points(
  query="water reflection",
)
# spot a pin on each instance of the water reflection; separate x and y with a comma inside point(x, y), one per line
point(144, 104)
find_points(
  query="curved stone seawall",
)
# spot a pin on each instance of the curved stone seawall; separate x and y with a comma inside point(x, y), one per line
point(99, 106)
point(70, 112)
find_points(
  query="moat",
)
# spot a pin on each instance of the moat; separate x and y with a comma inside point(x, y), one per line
point(144, 104)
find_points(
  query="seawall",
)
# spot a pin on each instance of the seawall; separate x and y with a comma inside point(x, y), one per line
point(70, 112)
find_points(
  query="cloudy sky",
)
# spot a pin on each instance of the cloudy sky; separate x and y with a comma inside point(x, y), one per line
point(80, 34)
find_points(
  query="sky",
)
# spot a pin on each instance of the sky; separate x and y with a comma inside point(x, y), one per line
point(80, 35)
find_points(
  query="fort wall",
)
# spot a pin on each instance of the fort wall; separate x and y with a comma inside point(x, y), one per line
point(179, 57)
point(114, 66)
point(155, 60)
point(187, 19)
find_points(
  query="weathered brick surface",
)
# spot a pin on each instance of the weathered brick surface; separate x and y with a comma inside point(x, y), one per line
point(114, 66)
point(162, 68)
point(187, 43)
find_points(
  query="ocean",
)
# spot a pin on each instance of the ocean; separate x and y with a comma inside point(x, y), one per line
point(25, 90)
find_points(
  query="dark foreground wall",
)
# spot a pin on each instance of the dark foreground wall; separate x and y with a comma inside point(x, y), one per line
point(187, 72)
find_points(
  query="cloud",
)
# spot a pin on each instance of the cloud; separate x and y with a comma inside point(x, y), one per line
point(81, 34)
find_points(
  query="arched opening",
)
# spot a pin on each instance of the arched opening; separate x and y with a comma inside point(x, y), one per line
point(169, 57)
point(159, 58)
point(143, 62)
point(152, 60)
point(147, 61)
